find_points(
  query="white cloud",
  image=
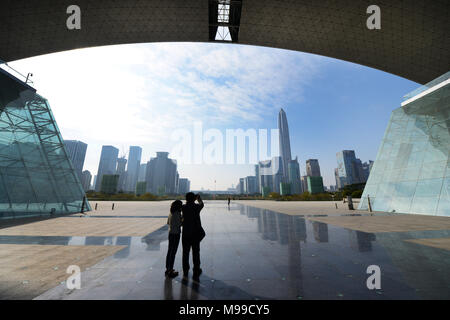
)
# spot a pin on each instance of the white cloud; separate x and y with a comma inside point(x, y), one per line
point(137, 94)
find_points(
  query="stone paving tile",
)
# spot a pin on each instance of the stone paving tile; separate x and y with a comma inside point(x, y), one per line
point(34, 269)
point(83, 226)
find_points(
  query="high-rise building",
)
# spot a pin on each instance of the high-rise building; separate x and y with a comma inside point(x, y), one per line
point(121, 164)
point(340, 181)
point(250, 185)
point(94, 182)
point(312, 168)
point(76, 150)
point(258, 189)
point(366, 167)
point(109, 183)
point(134, 163)
point(107, 164)
point(241, 184)
point(141, 187)
point(315, 184)
point(142, 169)
point(349, 168)
point(285, 188)
point(184, 186)
point(86, 178)
point(304, 183)
point(285, 144)
point(271, 174)
point(161, 174)
point(294, 176)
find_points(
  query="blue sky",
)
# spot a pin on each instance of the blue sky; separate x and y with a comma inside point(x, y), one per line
point(140, 94)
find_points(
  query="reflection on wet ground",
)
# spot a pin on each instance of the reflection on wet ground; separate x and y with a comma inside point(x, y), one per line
point(252, 253)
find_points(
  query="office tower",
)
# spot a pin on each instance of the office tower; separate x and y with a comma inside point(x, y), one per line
point(366, 167)
point(134, 163)
point(86, 178)
point(285, 188)
point(94, 182)
point(285, 144)
point(271, 174)
point(304, 183)
point(294, 176)
point(349, 168)
point(250, 185)
point(142, 169)
point(177, 183)
point(76, 150)
point(339, 180)
point(107, 164)
point(258, 189)
point(121, 164)
point(109, 183)
point(241, 186)
point(141, 187)
point(314, 184)
point(312, 168)
point(184, 186)
point(161, 174)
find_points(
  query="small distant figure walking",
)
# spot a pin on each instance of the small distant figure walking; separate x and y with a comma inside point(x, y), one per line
point(193, 233)
point(174, 221)
point(229, 200)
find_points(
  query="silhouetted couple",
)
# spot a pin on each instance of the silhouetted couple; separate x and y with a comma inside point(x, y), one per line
point(188, 217)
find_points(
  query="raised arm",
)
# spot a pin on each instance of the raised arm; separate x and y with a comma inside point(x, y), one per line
point(200, 202)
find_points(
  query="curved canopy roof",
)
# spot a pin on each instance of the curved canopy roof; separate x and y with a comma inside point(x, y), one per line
point(413, 41)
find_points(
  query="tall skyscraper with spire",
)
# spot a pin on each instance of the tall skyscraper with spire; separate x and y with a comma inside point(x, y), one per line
point(285, 143)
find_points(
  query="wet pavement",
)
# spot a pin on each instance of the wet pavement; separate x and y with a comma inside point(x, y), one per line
point(252, 253)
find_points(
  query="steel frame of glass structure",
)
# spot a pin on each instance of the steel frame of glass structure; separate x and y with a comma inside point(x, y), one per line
point(411, 173)
point(36, 175)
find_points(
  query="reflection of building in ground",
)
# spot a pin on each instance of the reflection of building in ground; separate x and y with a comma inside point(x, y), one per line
point(320, 231)
point(361, 241)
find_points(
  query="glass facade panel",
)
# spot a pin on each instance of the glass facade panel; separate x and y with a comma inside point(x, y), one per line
point(411, 173)
point(36, 176)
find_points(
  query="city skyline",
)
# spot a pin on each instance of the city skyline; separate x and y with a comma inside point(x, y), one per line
point(331, 104)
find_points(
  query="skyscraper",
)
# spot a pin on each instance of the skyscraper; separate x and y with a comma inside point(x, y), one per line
point(76, 150)
point(184, 186)
point(86, 178)
point(294, 176)
point(349, 169)
point(121, 164)
point(271, 174)
point(134, 163)
point(285, 144)
point(142, 169)
point(312, 168)
point(161, 174)
point(107, 164)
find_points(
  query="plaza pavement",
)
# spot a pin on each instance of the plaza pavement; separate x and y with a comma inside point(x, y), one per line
point(34, 254)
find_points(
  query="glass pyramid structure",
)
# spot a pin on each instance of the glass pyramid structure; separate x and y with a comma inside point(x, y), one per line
point(36, 175)
point(411, 173)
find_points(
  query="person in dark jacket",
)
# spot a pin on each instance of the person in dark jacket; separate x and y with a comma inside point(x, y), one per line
point(192, 233)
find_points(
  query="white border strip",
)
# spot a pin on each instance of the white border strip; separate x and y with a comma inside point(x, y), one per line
point(424, 93)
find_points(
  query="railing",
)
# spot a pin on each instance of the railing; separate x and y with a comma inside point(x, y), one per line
point(5, 66)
